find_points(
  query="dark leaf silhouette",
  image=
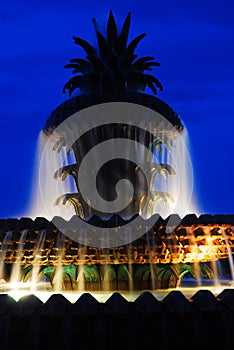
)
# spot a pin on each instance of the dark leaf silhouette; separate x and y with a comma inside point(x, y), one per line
point(113, 69)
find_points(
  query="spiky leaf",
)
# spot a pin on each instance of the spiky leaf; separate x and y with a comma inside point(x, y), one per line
point(96, 63)
point(86, 65)
point(123, 37)
point(112, 70)
point(133, 44)
point(89, 49)
point(74, 83)
point(102, 43)
point(150, 79)
point(111, 32)
point(143, 60)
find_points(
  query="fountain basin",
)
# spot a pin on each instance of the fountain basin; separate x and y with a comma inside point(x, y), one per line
point(35, 251)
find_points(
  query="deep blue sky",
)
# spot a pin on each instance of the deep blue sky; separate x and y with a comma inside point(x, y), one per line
point(193, 40)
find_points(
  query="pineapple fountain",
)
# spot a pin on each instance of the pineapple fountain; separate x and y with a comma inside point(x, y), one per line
point(112, 211)
point(130, 225)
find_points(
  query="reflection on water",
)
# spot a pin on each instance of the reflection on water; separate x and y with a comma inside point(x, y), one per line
point(44, 291)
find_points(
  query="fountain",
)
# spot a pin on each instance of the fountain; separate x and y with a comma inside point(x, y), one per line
point(113, 211)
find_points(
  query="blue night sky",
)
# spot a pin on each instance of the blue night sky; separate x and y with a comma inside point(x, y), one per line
point(193, 41)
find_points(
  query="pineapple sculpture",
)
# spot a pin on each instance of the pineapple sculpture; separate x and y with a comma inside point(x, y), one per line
point(113, 72)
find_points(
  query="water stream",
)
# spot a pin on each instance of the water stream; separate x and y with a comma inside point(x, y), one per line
point(46, 189)
point(3, 253)
point(16, 270)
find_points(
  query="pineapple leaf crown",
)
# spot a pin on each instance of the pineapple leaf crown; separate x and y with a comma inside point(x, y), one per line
point(113, 68)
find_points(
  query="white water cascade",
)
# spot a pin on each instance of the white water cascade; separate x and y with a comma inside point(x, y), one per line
point(46, 189)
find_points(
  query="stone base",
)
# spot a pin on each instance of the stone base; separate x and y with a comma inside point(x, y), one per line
point(176, 322)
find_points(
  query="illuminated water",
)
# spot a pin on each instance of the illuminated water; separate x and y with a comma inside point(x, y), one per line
point(44, 292)
point(46, 189)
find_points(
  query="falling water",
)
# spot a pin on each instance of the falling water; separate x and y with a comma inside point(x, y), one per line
point(36, 263)
point(47, 189)
point(80, 273)
point(132, 255)
point(151, 263)
point(195, 251)
point(3, 253)
point(130, 268)
point(211, 250)
point(80, 278)
point(58, 275)
point(107, 281)
point(16, 270)
point(230, 256)
point(83, 252)
point(181, 185)
point(130, 278)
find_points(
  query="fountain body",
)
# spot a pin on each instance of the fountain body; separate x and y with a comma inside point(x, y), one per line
point(169, 247)
point(56, 256)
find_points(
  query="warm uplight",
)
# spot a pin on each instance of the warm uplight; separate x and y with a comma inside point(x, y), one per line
point(129, 296)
